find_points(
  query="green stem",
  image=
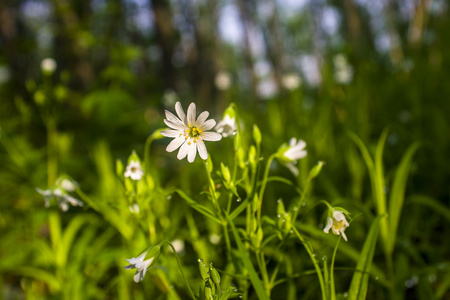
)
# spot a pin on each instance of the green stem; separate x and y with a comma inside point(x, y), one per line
point(263, 187)
point(314, 260)
point(332, 287)
point(181, 267)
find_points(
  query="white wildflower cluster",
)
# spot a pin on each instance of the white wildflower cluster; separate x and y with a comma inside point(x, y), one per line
point(60, 192)
point(337, 222)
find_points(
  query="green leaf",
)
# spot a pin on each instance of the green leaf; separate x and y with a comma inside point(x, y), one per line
point(198, 207)
point(360, 280)
point(257, 283)
point(398, 193)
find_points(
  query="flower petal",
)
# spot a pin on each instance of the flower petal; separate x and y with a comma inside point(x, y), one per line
point(175, 143)
point(171, 117)
point(191, 113)
point(180, 112)
point(183, 150)
point(292, 168)
point(174, 125)
point(171, 133)
point(192, 152)
point(211, 136)
point(208, 125)
point(344, 236)
point(329, 225)
point(202, 149)
point(202, 118)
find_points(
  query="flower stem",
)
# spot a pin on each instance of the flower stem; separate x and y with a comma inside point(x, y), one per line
point(180, 266)
point(263, 187)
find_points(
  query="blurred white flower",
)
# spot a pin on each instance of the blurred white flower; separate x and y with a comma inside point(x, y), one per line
point(134, 170)
point(134, 208)
point(178, 245)
point(227, 126)
point(214, 238)
point(291, 81)
point(223, 81)
point(48, 65)
point(189, 133)
point(289, 154)
point(140, 264)
point(4, 74)
point(60, 193)
point(343, 71)
point(337, 223)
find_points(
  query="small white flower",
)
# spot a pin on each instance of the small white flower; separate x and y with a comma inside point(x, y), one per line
point(337, 223)
point(222, 81)
point(189, 133)
point(134, 170)
point(291, 81)
point(289, 154)
point(214, 238)
point(343, 72)
point(227, 126)
point(61, 195)
point(48, 65)
point(178, 245)
point(134, 208)
point(140, 265)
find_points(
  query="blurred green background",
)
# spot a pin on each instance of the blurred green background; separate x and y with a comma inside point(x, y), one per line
point(314, 70)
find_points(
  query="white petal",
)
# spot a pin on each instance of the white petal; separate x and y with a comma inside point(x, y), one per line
point(202, 149)
point(192, 152)
point(73, 201)
point(175, 143)
point(174, 125)
point(180, 112)
point(343, 235)
point(338, 215)
point(202, 118)
point(300, 145)
point(208, 125)
point(170, 133)
point(292, 142)
point(171, 117)
point(329, 224)
point(292, 168)
point(191, 113)
point(138, 276)
point(211, 136)
point(183, 150)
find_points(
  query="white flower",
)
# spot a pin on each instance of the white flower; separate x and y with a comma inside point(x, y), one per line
point(140, 264)
point(222, 81)
point(134, 170)
point(343, 70)
point(337, 223)
point(62, 197)
point(189, 133)
point(227, 126)
point(289, 154)
point(291, 81)
point(48, 65)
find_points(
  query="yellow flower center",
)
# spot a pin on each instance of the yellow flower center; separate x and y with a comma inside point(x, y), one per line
point(193, 132)
point(338, 224)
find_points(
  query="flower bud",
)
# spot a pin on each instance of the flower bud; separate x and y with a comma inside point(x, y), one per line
point(214, 274)
point(202, 268)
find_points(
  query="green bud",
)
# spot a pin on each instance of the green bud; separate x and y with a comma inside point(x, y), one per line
point(202, 268)
point(214, 274)
point(225, 173)
point(208, 290)
point(119, 168)
point(255, 202)
point(241, 157)
point(153, 251)
point(209, 165)
point(316, 170)
point(280, 208)
point(256, 134)
point(252, 156)
point(60, 93)
point(39, 97)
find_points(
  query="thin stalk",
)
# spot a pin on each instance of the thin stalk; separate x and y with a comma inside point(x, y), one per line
point(313, 259)
point(263, 187)
point(181, 268)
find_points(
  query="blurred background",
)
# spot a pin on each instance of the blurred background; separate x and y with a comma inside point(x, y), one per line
point(92, 78)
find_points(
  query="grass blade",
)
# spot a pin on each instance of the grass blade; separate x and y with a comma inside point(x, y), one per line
point(360, 280)
point(257, 283)
point(398, 193)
